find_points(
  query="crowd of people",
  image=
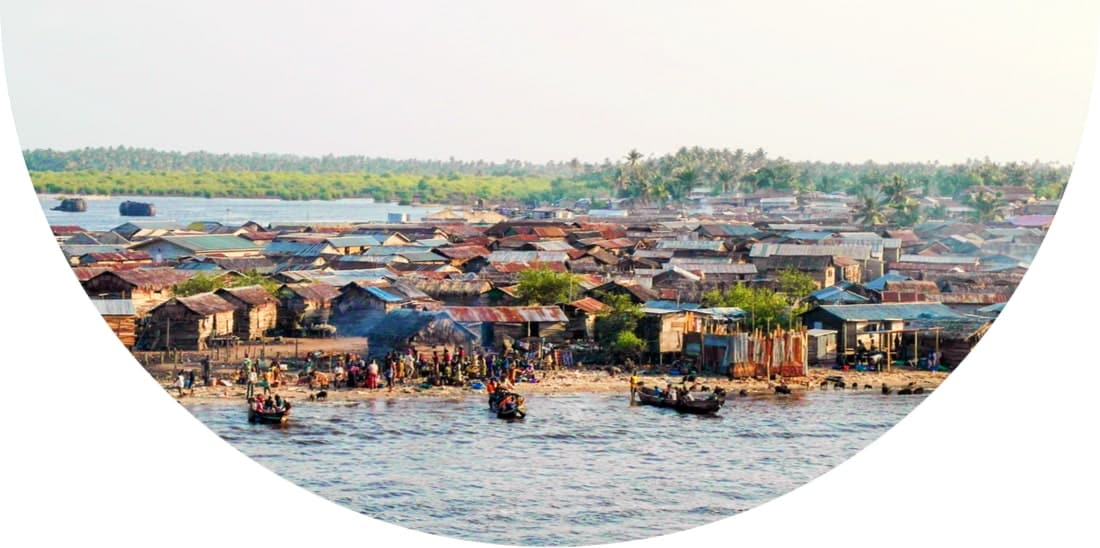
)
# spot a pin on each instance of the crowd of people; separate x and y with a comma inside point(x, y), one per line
point(444, 368)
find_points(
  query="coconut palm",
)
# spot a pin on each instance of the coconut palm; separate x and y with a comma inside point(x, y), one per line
point(871, 211)
point(987, 206)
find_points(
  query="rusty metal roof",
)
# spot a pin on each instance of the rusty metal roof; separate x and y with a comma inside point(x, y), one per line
point(316, 291)
point(116, 256)
point(252, 294)
point(590, 305)
point(205, 304)
point(506, 314)
point(151, 278)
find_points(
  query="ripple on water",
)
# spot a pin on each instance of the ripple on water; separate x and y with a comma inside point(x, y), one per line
point(595, 469)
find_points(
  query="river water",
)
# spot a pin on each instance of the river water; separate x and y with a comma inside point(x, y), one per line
point(581, 469)
point(102, 214)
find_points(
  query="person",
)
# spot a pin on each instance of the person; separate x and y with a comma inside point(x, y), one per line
point(278, 402)
point(633, 381)
point(250, 387)
point(180, 382)
point(860, 351)
point(372, 375)
point(205, 370)
point(191, 380)
point(389, 372)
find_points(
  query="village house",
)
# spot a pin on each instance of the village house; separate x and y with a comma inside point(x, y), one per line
point(188, 323)
point(125, 258)
point(170, 248)
point(257, 310)
point(582, 315)
point(497, 326)
point(880, 326)
point(146, 287)
point(121, 318)
point(304, 306)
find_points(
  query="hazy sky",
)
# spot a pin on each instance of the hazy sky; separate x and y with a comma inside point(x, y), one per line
point(808, 80)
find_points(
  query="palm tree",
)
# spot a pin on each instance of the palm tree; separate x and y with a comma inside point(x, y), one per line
point(870, 212)
point(987, 206)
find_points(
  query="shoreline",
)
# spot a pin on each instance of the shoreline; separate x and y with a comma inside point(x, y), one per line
point(563, 382)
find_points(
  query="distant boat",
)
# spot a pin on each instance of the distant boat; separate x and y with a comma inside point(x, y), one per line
point(73, 205)
point(136, 209)
point(699, 403)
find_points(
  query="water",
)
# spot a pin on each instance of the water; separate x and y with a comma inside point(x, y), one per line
point(581, 469)
point(102, 214)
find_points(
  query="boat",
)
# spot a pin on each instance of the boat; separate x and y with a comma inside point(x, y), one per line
point(516, 410)
point(699, 402)
point(268, 417)
point(137, 209)
point(72, 205)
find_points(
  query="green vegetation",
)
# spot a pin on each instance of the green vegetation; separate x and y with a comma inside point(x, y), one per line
point(615, 326)
point(543, 286)
point(766, 308)
point(647, 180)
point(795, 285)
point(205, 283)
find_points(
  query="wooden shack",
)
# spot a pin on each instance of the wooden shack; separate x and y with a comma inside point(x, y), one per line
point(188, 323)
point(146, 287)
point(494, 323)
point(120, 317)
point(305, 305)
point(257, 310)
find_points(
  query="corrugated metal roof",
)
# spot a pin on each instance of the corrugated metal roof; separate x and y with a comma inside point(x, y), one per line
point(382, 294)
point(209, 242)
point(205, 304)
point(116, 256)
point(692, 245)
point(940, 259)
point(711, 267)
point(252, 294)
point(528, 257)
point(590, 305)
point(422, 257)
point(878, 284)
point(890, 311)
point(78, 250)
point(354, 241)
point(506, 314)
point(316, 291)
point(114, 307)
point(553, 245)
point(392, 250)
point(859, 252)
point(296, 249)
point(151, 278)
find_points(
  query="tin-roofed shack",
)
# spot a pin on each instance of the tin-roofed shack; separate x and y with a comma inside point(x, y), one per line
point(878, 326)
point(304, 306)
point(494, 323)
point(120, 317)
point(257, 310)
point(187, 323)
point(146, 287)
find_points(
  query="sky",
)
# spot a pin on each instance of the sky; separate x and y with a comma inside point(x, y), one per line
point(844, 80)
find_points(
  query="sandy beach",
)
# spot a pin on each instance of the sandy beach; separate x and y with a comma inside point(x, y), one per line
point(570, 382)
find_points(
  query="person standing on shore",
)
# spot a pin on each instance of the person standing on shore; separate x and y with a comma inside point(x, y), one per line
point(206, 370)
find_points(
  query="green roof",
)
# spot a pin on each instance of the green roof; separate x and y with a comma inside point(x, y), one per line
point(211, 242)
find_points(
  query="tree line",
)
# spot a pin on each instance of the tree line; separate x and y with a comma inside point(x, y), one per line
point(644, 179)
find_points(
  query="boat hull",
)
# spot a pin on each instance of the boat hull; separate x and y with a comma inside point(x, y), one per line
point(256, 417)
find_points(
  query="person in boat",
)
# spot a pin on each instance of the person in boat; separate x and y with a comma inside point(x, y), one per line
point(507, 403)
point(278, 404)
